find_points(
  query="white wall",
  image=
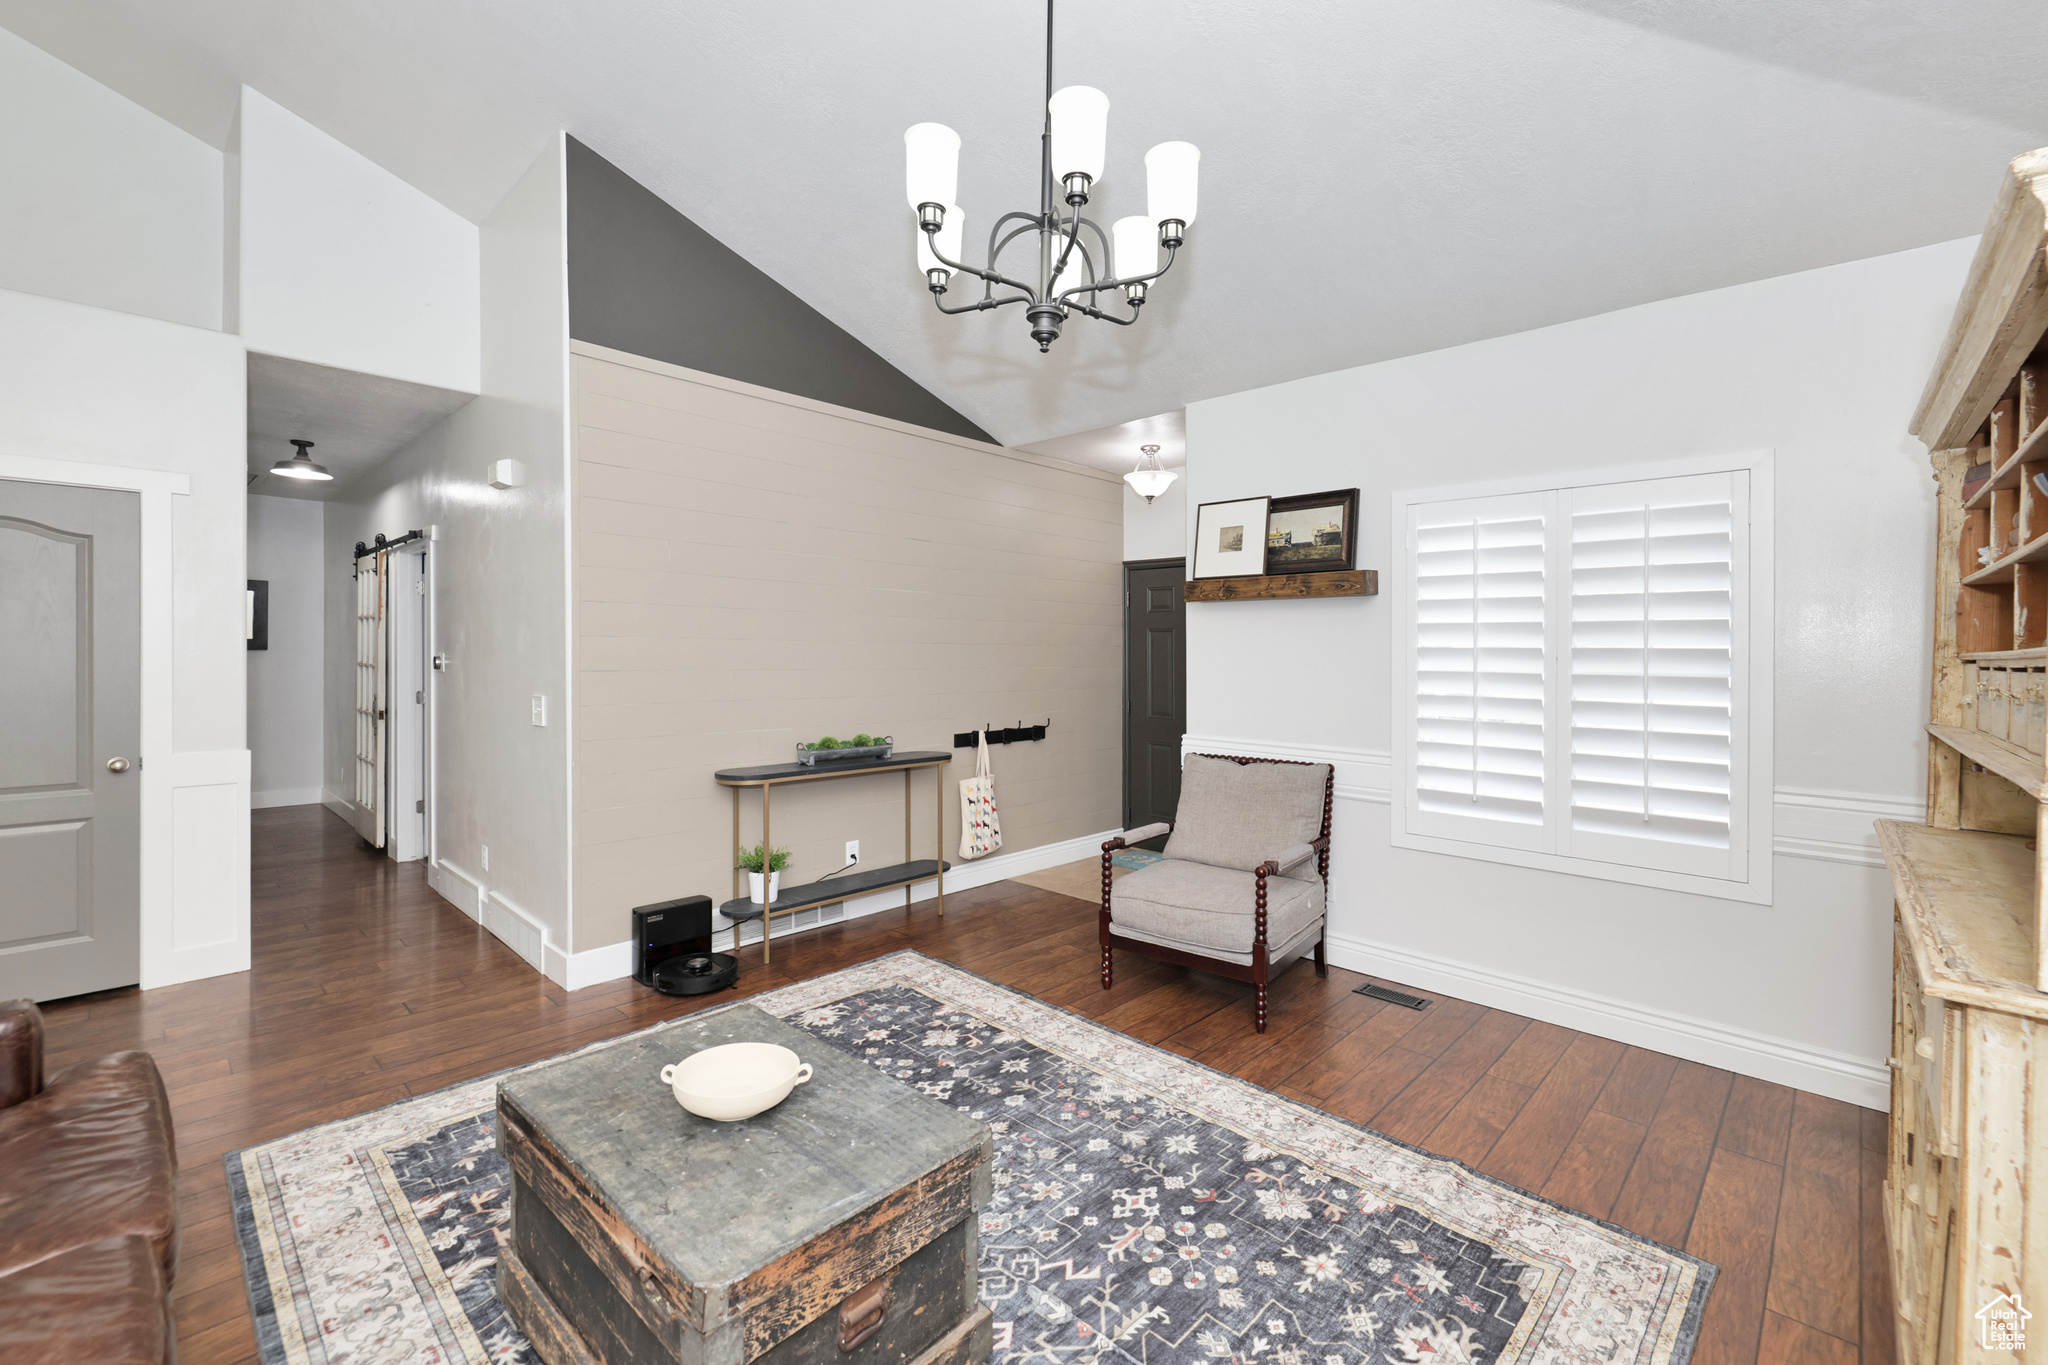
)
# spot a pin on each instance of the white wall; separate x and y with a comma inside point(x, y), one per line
point(286, 680)
point(105, 203)
point(1823, 368)
point(498, 578)
point(1156, 530)
point(341, 263)
point(93, 396)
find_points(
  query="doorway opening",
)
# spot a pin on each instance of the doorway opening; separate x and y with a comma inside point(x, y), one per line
point(394, 633)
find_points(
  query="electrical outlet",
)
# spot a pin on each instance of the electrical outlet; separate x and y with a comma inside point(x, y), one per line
point(487, 857)
point(852, 852)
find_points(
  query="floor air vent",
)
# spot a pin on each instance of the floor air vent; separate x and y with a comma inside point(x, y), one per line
point(1393, 997)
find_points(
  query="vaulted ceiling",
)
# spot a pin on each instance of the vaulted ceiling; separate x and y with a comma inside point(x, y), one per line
point(1380, 177)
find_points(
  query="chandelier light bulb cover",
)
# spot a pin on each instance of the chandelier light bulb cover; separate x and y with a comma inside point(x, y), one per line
point(1148, 480)
point(301, 466)
point(1079, 117)
point(1135, 246)
point(1075, 269)
point(932, 164)
point(1170, 182)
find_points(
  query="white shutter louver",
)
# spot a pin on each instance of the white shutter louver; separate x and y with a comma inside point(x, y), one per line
point(1653, 606)
point(1480, 664)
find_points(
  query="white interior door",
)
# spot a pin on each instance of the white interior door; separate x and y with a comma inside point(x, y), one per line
point(405, 579)
point(372, 686)
point(70, 740)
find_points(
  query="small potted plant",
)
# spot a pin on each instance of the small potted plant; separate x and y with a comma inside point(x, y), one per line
point(860, 746)
point(763, 865)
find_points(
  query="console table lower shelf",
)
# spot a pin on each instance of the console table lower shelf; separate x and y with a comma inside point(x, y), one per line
point(794, 898)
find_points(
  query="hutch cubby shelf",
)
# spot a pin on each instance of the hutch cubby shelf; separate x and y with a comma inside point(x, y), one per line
point(1970, 953)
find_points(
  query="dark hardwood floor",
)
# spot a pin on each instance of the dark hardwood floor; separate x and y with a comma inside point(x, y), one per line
point(367, 988)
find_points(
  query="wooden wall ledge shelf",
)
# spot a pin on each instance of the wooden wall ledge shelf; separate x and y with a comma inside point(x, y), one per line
point(1263, 587)
point(2016, 765)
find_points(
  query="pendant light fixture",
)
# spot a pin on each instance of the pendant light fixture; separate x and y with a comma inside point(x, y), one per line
point(1148, 480)
point(301, 466)
point(1071, 154)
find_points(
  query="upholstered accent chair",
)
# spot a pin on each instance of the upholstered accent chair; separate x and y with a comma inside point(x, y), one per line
point(1242, 888)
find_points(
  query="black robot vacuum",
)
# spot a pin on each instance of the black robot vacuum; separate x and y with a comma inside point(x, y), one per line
point(672, 949)
point(696, 974)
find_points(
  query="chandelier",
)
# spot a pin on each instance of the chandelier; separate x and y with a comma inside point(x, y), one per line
point(1070, 277)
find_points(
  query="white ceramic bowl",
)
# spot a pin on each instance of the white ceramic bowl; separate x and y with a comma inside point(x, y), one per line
point(735, 1081)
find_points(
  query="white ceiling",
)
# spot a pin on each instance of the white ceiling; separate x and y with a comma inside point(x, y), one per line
point(1378, 178)
point(1116, 448)
point(355, 421)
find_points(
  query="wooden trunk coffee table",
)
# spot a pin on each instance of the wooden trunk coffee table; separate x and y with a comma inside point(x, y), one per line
point(835, 1229)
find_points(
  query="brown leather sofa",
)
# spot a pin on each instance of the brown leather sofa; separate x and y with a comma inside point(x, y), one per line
point(88, 1205)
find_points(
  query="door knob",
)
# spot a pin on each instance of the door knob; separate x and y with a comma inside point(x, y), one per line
point(117, 765)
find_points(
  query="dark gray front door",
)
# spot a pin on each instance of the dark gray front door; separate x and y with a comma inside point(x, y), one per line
point(1155, 688)
point(70, 726)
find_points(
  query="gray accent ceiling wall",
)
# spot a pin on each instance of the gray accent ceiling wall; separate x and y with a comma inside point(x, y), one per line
point(645, 279)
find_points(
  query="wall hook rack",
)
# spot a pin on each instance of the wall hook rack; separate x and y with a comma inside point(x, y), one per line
point(1019, 733)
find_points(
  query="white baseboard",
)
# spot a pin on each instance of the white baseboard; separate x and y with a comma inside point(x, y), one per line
point(1857, 1080)
point(615, 960)
point(287, 796)
point(457, 887)
point(574, 971)
point(340, 805)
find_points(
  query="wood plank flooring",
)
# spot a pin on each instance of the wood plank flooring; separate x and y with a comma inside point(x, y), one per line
point(368, 988)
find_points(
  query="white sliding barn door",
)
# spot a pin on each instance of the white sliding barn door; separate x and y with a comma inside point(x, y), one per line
point(372, 687)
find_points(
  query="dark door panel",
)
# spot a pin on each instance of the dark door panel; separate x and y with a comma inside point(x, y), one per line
point(1155, 688)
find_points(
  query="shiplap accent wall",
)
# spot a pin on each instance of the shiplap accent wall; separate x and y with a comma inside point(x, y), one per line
point(753, 569)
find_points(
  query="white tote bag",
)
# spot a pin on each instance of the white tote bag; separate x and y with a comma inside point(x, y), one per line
point(981, 832)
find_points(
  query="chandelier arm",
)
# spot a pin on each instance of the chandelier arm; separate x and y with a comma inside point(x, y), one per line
point(990, 275)
point(1101, 316)
point(1073, 235)
point(1102, 240)
point(996, 248)
point(982, 305)
point(1171, 252)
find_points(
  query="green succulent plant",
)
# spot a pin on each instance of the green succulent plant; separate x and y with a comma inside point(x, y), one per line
point(752, 858)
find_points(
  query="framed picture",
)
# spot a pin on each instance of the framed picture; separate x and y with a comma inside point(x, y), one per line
point(1229, 538)
point(1313, 533)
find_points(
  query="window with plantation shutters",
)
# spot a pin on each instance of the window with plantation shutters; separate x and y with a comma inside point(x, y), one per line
point(1573, 677)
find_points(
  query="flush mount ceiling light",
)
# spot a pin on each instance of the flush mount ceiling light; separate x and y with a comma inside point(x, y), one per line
point(1070, 165)
point(301, 466)
point(1148, 480)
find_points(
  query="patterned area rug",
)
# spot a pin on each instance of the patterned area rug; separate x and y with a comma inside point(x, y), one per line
point(1147, 1210)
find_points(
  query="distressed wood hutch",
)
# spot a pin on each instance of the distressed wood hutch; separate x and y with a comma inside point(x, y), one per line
point(1969, 1102)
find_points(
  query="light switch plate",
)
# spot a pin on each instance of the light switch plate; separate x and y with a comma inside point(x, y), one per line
point(540, 709)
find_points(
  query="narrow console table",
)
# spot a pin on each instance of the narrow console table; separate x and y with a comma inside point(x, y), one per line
point(791, 899)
